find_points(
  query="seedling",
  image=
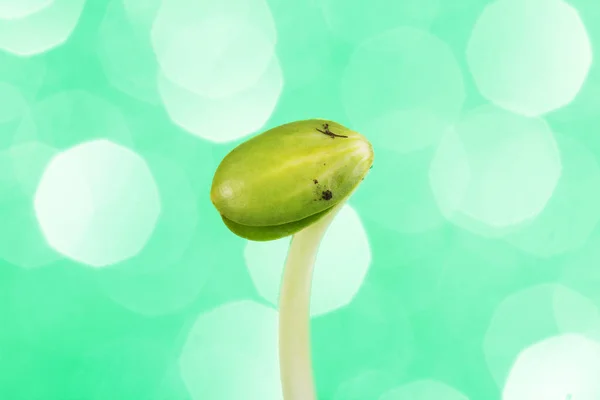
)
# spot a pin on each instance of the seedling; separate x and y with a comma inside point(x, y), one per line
point(291, 180)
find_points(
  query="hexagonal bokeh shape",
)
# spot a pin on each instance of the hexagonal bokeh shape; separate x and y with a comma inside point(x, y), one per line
point(97, 203)
point(214, 49)
point(231, 353)
point(529, 56)
point(561, 367)
point(10, 9)
point(340, 268)
point(572, 213)
point(204, 117)
point(557, 310)
point(495, 170)
point(41, 30)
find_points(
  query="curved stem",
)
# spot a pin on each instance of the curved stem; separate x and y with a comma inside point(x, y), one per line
point(294, 311)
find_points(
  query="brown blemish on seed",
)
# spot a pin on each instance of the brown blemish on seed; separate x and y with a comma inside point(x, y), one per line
point(327, 132)
point(315, 181)
point(326, 195)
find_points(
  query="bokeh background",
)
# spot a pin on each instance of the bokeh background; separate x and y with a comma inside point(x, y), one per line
point(466, 266)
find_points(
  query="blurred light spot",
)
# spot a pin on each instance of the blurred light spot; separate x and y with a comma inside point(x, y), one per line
point(572, 212)
point(365, 19)
point(511, 169)
point(231, 353)
point(562, 367)
point(576, 313)
point(21, 240)
point(402, 103)
point(529, 56)
point(178, 217)
point(169, 272)
point(46, 28)
point(369, 384)
point(340, 268)
point(425, 389)
point(97, 203)
point(10, 9)
point(397, 194)
point(226, 119)
point(587, 103)
point(126, 54)
point(72, 117)
point(214, 49)
point(530, 315)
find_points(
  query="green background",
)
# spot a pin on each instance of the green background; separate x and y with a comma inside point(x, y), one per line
point(466, 266)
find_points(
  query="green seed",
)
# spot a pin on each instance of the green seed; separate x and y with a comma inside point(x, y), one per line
point(277, 183)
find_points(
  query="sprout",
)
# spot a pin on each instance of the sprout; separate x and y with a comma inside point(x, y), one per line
point(292, 180)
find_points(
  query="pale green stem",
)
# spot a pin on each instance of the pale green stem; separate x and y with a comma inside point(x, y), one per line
point(294, 311)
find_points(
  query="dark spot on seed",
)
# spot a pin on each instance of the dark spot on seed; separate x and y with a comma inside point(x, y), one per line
point(315, 181)
point(327, 195)
point(324, 163)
